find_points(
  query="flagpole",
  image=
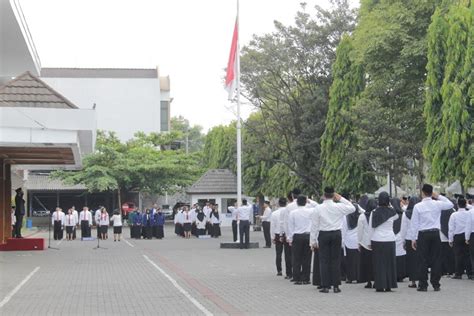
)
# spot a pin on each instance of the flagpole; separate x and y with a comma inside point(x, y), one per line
point(239, 124)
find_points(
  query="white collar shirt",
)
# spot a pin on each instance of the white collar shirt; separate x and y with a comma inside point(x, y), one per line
point(299, 221)
point(426, 215)
point(457, 223)
point(383, 232)
point(275, 222)
point(363, 231)
point(267, 214)
point(469, 225)
point(244, 212)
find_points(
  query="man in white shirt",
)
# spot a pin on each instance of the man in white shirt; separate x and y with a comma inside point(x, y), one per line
point(244, 214)
point(97, 220)
point(266, 217)
point(326, 235)
point(76, 217)
point(207, 211)
point(299, 226)
point(57, 219)
point(234, 211)
point(86, 222)
point(457, 229)
point(469, 235)
point(425, 226)
point(275, 232)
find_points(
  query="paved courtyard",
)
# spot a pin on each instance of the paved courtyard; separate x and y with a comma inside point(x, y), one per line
point(190, 277)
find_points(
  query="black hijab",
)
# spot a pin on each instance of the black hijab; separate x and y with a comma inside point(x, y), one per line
point(363, 201)
point(371, 205)
point(411, 205)
point(397, 224)
point(353, 217)
point(215, 213)
point(200, 216)
point(383, 212)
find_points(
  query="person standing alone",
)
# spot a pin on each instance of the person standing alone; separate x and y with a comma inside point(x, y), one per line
point(19, 212)
point(244, 224)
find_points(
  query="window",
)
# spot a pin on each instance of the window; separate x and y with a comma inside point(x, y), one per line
point(165, 116)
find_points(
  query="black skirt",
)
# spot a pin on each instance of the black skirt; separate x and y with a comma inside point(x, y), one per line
point(160, 233)
point(147, 232)
point(412, 262)
point(187, 227)
point(366, 270)
point(447, 258)
point(69, 229)
point(104, 229)
point(401, 268)
point(117, 229)
point(385, 264)
point(216, 230)
point(352, 264)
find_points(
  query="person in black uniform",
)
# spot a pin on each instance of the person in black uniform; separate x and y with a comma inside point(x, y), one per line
point(19, 212)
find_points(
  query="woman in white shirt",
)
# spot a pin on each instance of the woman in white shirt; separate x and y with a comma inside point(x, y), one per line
point(70, 223)
point(382, 240)
point(412, 256)
point(201, 221)
point(117, 219)
point(366, 271)
point(399, 241)
point(104, 223)
point(215, 221)
point(351, 244)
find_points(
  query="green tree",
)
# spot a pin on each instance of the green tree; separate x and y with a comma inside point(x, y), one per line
point(339, 168)
point(220, 147)
point(191, 134)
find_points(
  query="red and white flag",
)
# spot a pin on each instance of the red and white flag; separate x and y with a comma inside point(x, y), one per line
point(231, 76)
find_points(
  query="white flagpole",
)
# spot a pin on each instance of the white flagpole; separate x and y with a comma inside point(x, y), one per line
point(239, 124)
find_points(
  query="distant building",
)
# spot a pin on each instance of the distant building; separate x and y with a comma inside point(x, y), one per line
point(125, 100)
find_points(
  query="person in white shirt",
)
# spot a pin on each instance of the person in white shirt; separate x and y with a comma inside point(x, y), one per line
point(70, 222)
point(286, 245)
point(193, 214)
point(201, 221)
point(424, 227)
point(412, 256)
point(382, 242)
point(57, 219)
point(400, 251)
point(299, 226)
point(154, 228)
point(326, 235)
point(104, 222)
point(215, 222)
point(97, 220)
point(350, 243)
point(366, 272)
point(265, 218)
point(207, 211)
point(446, 252)
point(234, 211)
point(469, 236)
point(76, 216)
point(186, 222)
point(117, 220)
point(178, 223)
point(245, 211)
point(275, 232)
point(86, 222)
point(457, 239)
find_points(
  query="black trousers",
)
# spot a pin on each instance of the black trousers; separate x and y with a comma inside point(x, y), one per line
point(461, 255)
point(288, 258)
point(244, 229)
point(330, 257)
point(18, 225)
point(266, 234)
point(278, 251)
point(366, 267)
point(352, 264)
point(316, 268)
point(429, 247)
point(412, 261)
point(302, 256)
point(85, 229)
point(471, 250)
point(58, 230)
point(234, 229)
point(447, 258)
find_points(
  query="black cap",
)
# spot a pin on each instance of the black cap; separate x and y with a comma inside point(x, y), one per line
point(328, 190)
point(301, 200)
point(427, 188)
point(18, 190)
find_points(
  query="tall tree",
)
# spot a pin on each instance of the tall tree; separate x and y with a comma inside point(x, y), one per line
point(339, 168)
point(192, 135)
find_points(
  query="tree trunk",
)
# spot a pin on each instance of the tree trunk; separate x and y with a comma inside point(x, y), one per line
point(119, 199)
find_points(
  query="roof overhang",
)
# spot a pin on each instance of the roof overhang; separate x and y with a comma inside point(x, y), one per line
point(18, 52)
point(41, 138)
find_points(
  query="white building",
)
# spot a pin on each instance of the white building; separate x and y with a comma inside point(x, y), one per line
point(126, 100)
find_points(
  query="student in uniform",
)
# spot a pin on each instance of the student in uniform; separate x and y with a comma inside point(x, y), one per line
point(265, 218)
point(207, 211)
point(136, 218)
point(159, 221)
point(201, 223)
point(447, 252)
point(351, 244)
point(147, 225)
point(215, 221)
point(424, 227)
point(97, 220)
point(366, 270)
point(275, 233)
point(57, 220)
point(234, 212)
point(469, 236)
point(299, 227)
point(326, 228)
point(286, 246)
point(187, 223)
point(86, 222)
point(70, 223)
point(457, 240)
point(104, 223)
point(412, 256)
point(117, 223)
point(400, 252)
point(178, 223)
point(154, 227)
point(76, 216)
point(245, 211)
point(382, 240)
point(193, 214)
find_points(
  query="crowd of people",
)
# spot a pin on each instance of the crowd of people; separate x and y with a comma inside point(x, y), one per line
point(376, 241)
point(197, 221)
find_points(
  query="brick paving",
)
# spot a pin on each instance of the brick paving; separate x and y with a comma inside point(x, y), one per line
point(80, 280)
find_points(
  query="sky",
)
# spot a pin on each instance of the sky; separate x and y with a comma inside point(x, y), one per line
point(189, 40)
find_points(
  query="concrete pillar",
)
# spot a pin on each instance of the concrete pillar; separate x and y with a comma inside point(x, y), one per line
point(5, 201)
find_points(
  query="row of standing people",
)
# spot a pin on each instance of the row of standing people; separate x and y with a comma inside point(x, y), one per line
point(148, 224)
point(197, 221)
point(370, 241)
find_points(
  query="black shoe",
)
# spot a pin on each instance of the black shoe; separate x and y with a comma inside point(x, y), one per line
point(437, 289)
point(412, 285)
point(279, 273)
point(292, 280)
point(324, 290)
point(368, 285)
point(379, 290)
point(337, 289)
point(319, 287)
point(422, 289)
point(298, 283)
point(388, 290)
point(305, 282)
